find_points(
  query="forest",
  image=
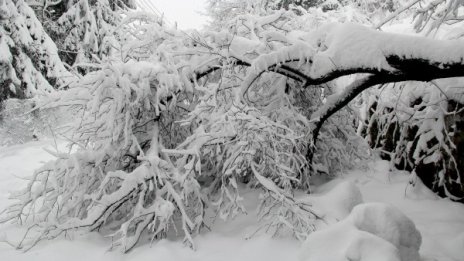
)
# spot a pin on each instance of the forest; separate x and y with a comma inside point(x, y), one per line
point(292, 129)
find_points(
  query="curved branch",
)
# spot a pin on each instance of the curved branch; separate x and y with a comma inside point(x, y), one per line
point(410, 70)
point(338, 50)
point(282, 69)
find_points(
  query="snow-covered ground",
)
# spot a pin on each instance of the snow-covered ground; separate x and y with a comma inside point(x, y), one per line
point(440, 221)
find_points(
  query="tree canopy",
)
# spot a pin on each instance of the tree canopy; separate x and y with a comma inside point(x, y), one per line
point(171, 124)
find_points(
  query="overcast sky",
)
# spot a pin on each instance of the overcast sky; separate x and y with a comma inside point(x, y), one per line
point(185, 12)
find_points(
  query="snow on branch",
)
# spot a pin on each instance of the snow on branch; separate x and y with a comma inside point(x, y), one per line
point(172, 128)
point(120, 175)
point(337, 50)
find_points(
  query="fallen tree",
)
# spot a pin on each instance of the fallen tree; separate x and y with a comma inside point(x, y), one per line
point(173, 128)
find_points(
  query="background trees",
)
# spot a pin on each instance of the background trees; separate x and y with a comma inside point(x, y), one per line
point(84, 30)
point(48, 48)
point(29, 61)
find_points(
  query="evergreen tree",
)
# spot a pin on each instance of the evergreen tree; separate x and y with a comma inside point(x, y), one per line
point(29, 61)
point(85, 31)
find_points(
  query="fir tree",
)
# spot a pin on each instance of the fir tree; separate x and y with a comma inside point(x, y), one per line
point(29, 61)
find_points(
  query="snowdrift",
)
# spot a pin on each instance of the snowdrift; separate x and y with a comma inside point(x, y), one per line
point(373, 231)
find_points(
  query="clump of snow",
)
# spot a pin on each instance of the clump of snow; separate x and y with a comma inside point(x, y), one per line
point(390, 224)
point(339, 45)
point(418, 191)
point(373, 231)
point(337, 203)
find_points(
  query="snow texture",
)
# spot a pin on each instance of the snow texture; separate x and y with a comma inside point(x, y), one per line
point(36, 61)
point(373, 231)
point(337, 203)
point(438, 220)
point(341, 44)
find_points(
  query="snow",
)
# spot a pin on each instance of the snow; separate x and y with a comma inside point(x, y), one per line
point(373, 231)
point(341, 44)
point(335, 47)
point(344, 242)
point(390, 224)
point(337, 203)
point(28, 37)
point(418, 191)
point(226, 242)
point(20, 161)
point(438, 220)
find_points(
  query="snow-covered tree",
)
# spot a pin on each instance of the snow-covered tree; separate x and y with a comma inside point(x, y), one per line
point(418, 126)
point(84, 31)
point(176, 125)
point(29, 61)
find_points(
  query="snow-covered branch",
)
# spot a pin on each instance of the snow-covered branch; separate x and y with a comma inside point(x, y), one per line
point(344, 49)
point(173, 122)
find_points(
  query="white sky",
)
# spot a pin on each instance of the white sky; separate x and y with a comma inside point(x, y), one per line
point(185, 12)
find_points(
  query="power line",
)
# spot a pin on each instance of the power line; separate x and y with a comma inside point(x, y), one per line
point(148, 4)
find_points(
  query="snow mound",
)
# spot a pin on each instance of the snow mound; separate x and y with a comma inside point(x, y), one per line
point(390, 224)
point(337, 203)
point(373, 231)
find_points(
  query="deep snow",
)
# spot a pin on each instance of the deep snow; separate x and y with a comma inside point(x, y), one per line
point(439, 221)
